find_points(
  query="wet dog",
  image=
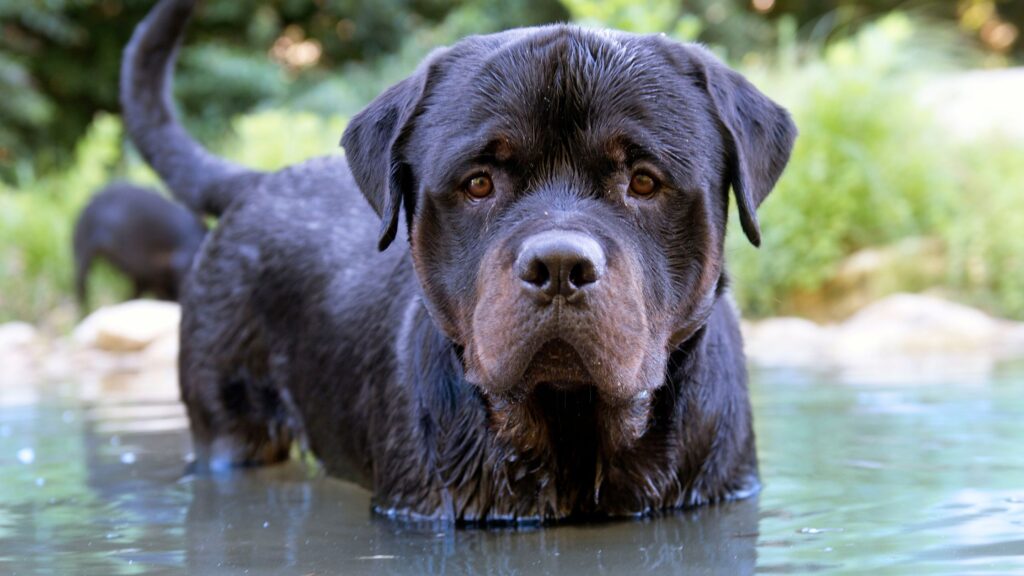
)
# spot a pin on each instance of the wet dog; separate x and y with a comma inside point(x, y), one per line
point(545, 333)
point(147, 237)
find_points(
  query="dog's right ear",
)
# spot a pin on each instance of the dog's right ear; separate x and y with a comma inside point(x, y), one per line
point(374, 143)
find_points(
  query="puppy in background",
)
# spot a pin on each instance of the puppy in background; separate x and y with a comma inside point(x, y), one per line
point(147, 237)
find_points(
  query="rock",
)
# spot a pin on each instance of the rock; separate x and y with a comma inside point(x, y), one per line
point(1011, 345)
point(870, 274)
point(128, 327)
point(162, 353)
point(917, 324)
point(15, 335)
point(907, 338)
point(21, 347)
point(779, 342)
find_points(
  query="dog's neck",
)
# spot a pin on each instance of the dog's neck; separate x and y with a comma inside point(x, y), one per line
point(561, 469)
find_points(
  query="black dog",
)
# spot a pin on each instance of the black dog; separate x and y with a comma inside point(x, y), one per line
point(551, 340)
point(144, 235)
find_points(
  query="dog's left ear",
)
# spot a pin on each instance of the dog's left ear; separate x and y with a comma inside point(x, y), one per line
point(760, 134)
point(374, 143)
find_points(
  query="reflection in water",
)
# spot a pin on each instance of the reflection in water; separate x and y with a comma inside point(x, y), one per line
point(276, 516)
point(886, 479)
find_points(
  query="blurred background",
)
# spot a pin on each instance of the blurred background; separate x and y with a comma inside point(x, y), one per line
point(908, 175)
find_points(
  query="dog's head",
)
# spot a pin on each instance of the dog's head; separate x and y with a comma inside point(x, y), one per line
point(566, 193)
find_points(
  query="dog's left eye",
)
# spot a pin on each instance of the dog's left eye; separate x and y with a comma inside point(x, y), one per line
point(642, 184)
point(479, 186)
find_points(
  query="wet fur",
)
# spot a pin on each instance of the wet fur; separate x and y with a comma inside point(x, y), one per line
point(295, 327)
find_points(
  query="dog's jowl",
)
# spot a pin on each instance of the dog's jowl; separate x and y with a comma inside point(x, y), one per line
point(507, 302)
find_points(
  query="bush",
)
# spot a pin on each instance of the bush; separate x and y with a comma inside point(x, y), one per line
point(35, 231)
point(36, 222)
point(871, 166)
point(984, 240)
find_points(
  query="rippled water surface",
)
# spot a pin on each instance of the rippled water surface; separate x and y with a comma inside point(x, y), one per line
point(879, 479)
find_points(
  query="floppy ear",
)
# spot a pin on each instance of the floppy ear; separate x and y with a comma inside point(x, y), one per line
point(760, 136)
point(374, 143)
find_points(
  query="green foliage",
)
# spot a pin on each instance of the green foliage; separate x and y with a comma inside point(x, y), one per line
point(274, 139)
point(35, 231)
point(36, 222)
point(59, 60)
point(729, 25)
point(871, 167)
point(862, 173)
point(348, 90)
point(646, 16)
point(985, 238)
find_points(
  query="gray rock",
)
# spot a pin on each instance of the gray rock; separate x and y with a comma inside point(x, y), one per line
point(788, 341)
point(901, 338)
point(21, 347)
point(128, 327)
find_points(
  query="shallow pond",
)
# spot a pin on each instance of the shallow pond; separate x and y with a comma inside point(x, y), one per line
point(880, 479)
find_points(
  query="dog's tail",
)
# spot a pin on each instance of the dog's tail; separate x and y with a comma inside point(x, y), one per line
point(204, 182)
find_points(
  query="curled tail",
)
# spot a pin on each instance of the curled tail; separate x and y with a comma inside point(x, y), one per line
point(204, 182)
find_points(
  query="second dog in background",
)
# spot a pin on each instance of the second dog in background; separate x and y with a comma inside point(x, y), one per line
point(146, 236)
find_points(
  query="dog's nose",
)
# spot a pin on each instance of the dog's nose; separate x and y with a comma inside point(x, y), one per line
point(556, 263)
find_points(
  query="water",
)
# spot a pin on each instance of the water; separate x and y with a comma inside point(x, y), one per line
point(893, 479)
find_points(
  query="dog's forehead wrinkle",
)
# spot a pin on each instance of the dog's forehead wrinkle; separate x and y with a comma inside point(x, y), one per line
point(560, 68)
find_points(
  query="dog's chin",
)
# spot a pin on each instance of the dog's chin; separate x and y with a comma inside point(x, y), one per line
point(557, 365)
point(557, 398)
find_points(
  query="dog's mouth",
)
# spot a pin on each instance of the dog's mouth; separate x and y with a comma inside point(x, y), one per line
point(558, 365)
point(565, 403)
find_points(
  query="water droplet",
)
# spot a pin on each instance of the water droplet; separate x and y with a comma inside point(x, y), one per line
point(115, 440)
point(266, 524)
point(818, 530)
point(128, 458)
point(26, 455)
point(828, 549)
point(40, 482)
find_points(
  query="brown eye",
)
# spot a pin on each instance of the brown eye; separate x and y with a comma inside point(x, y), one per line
point(479, 186)
point(642, 184)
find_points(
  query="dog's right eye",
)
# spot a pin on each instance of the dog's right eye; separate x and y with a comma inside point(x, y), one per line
point(479, 186)
point(643, 185)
